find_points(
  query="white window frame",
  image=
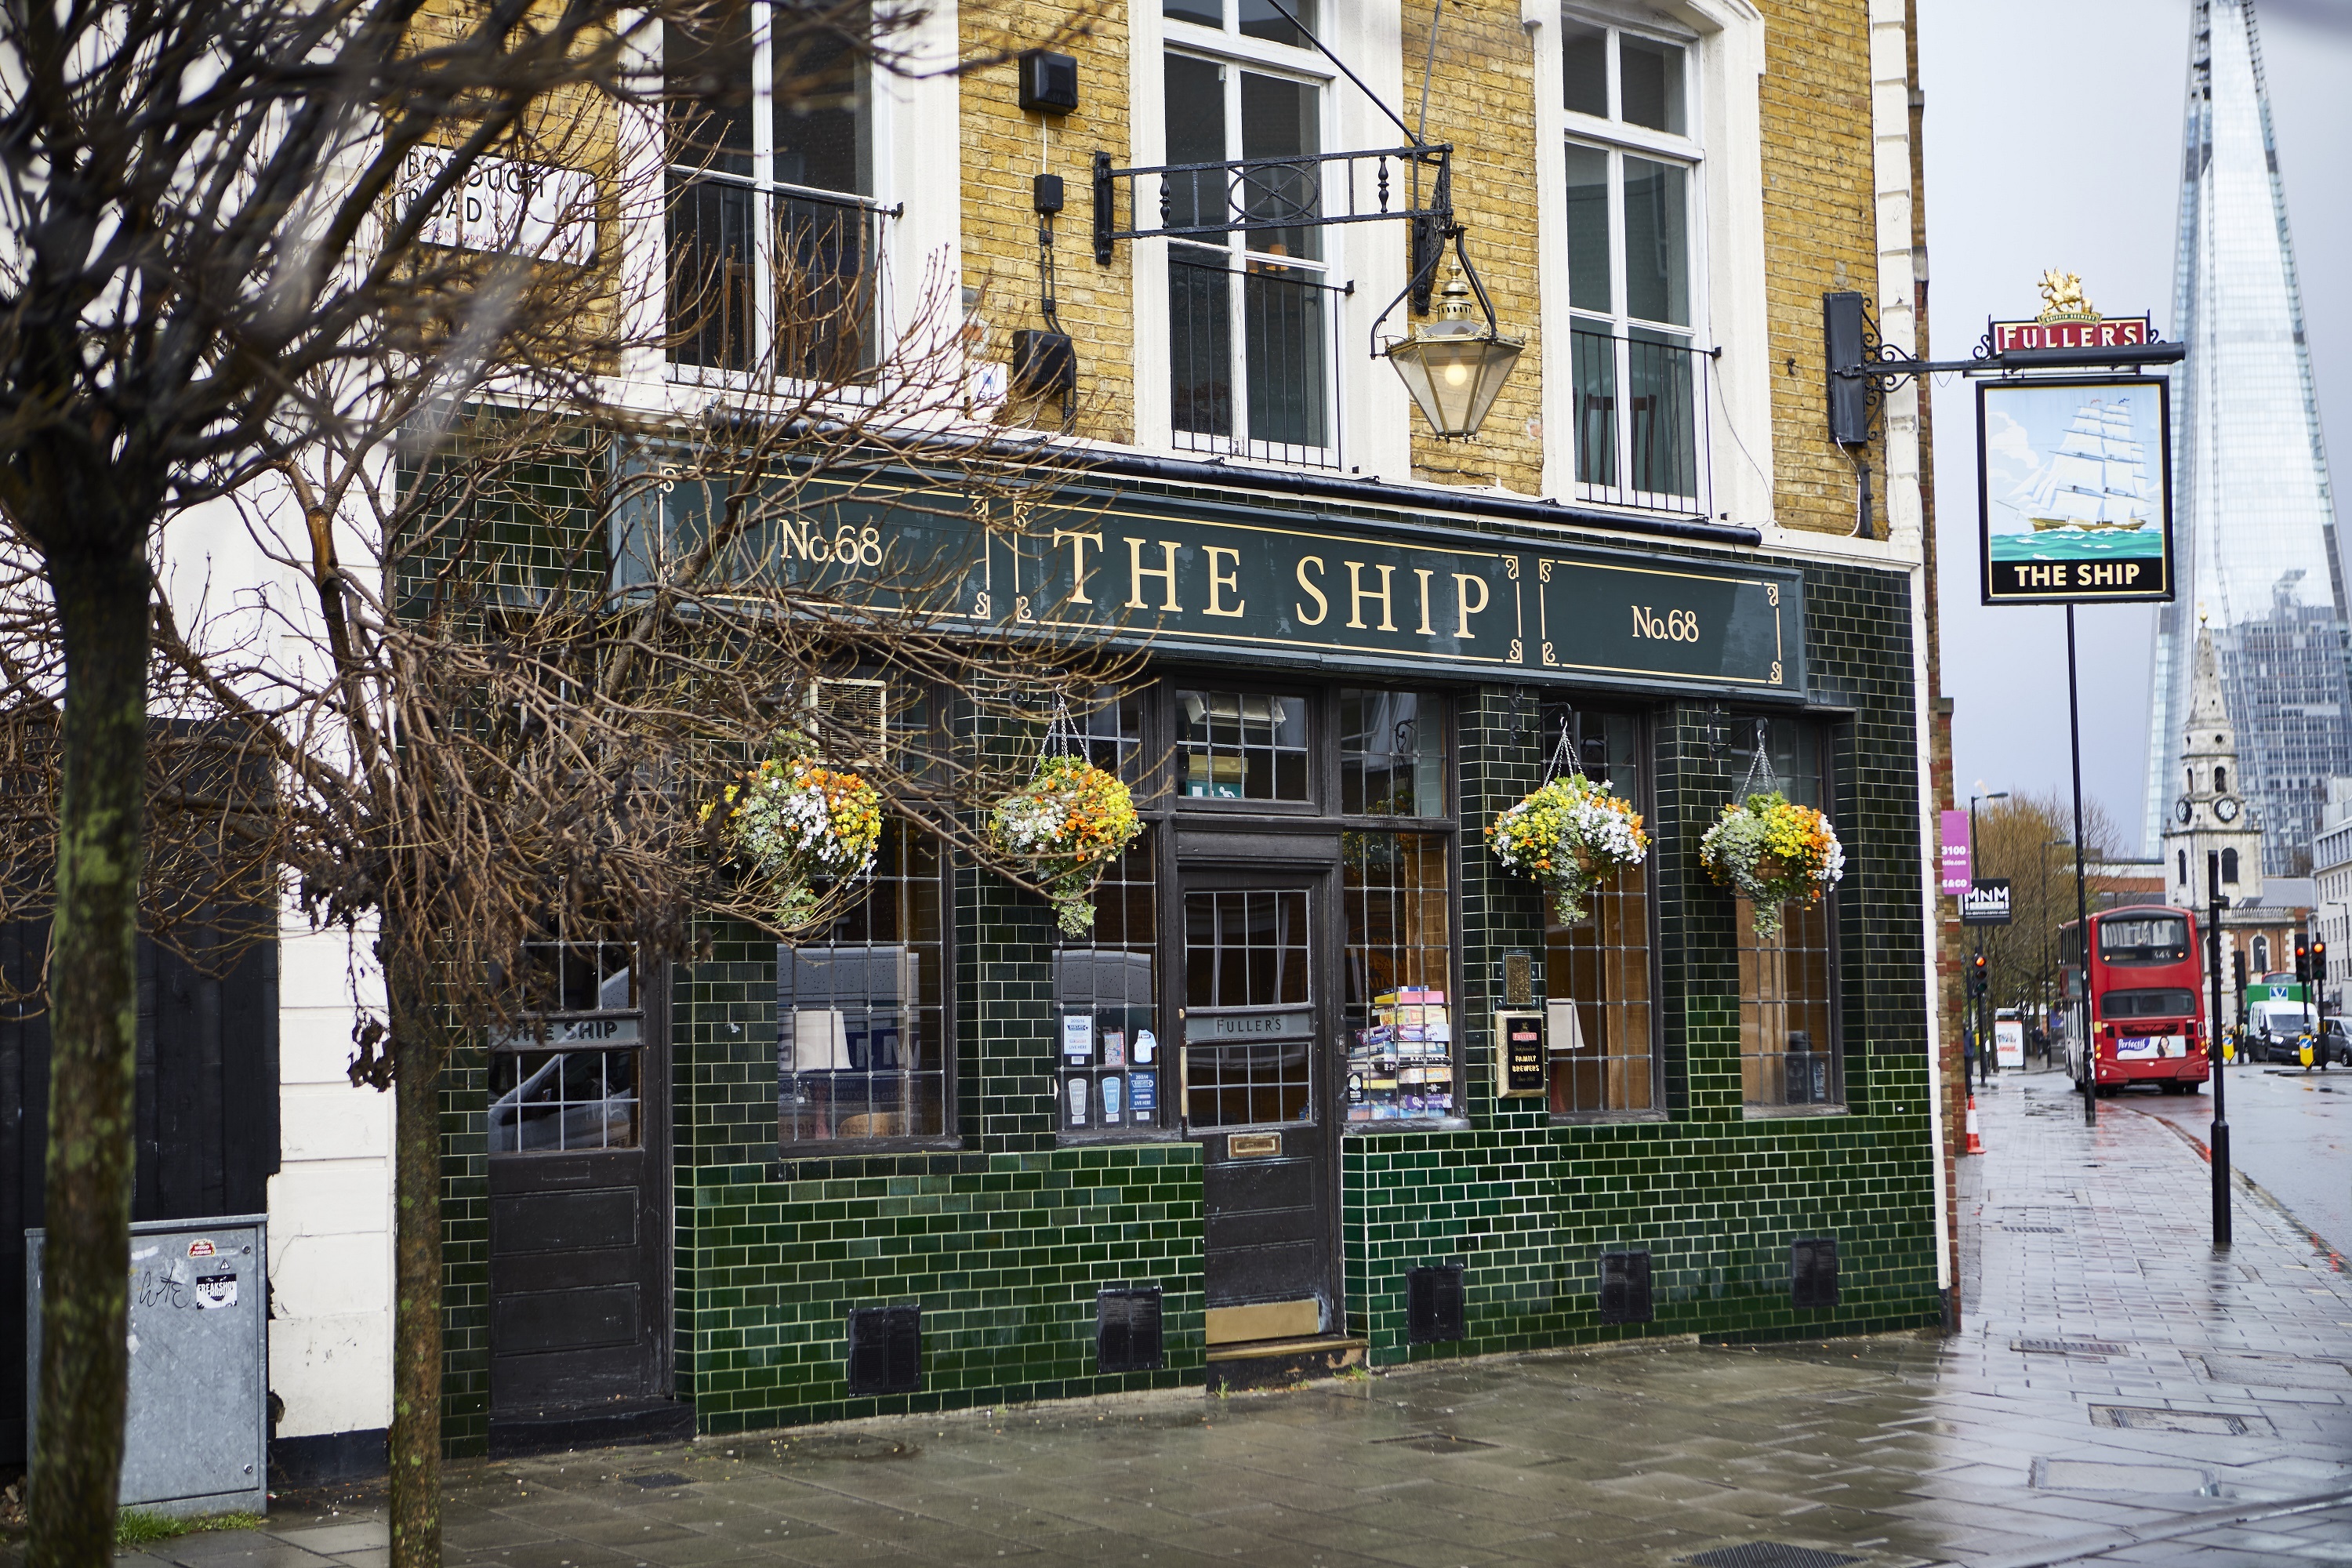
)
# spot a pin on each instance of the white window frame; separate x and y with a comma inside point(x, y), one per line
point(1722, 148)
point(1616, 139)
point(1234, 52)
point(884, 90)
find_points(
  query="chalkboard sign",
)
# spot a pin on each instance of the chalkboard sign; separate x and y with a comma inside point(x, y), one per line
point(1519, 1054)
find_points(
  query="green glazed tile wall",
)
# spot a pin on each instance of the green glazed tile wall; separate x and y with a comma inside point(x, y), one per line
point(1003, 1236)
point(1527, 1206)
point(1004, 1241)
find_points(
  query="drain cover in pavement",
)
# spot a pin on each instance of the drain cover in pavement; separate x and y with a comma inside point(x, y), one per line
point(2065, 1347)
point(2203, 1423)
point(1435, 1442)
point(2274, 1371)
point(1767, 1554)
point(656, 1479)
point(2091, 1476)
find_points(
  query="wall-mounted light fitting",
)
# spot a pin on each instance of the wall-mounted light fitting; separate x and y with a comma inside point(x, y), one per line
point(1049, 83)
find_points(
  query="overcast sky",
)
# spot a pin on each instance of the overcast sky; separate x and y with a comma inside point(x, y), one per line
point(2053, 140)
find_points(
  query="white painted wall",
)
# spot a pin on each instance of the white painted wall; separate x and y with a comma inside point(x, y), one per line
point(330, 1201)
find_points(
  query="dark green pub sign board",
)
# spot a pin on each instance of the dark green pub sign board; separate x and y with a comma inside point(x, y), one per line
point(1221, 580)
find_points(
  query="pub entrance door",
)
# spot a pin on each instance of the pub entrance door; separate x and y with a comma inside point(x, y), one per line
point(1258, 1017)
point(580, 1213)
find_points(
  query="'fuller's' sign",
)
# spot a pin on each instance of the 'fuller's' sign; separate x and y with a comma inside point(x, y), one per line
point(2128, 332)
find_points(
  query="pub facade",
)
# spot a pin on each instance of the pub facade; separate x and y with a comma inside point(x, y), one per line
point(1326, 1085)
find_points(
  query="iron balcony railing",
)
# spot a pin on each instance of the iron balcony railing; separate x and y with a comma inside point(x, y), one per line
point(775, 280)
point(1641, 421)
point(1251, 371)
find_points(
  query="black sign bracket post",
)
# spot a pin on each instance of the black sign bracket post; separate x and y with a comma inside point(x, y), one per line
point(2220, 1132)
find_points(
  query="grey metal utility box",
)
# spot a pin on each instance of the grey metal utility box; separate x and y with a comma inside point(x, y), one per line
point(196, 1438)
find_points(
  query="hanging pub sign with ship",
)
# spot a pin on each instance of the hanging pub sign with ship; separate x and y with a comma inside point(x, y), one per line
point(2073, 473)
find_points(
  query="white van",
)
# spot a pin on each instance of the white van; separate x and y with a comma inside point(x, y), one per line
point(2273, 1028)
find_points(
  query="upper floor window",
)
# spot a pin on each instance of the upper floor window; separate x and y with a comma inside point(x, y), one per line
point(1250, 314)
point(774, 239)
point(1638, 421)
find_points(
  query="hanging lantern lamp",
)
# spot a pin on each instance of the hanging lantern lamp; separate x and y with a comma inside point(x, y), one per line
point(1454, 367)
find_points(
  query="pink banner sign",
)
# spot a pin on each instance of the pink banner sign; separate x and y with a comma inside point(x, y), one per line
point(1957, 873)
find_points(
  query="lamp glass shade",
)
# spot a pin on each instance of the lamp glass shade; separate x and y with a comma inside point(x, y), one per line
point(820, 1041)
point(1453, 372)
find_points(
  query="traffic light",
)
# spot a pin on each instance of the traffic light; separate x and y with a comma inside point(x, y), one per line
point(1978, 985)
point(2319, 960)
point(2302, 957)
point(2237, 969)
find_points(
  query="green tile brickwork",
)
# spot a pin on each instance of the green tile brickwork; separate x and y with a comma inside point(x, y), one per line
point(1004, 1241)
point(1004, 1236)
point(1527, 1206)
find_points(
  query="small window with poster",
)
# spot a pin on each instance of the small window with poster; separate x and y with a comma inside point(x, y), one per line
point(1109, 1065)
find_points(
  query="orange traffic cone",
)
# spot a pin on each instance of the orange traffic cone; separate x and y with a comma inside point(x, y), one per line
point(1976, 1142)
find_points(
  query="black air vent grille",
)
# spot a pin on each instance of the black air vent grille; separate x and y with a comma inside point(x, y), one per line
point(1434, 1307)
point(1625, 1287)
point(886, 1350)
point(1813, 1272)
point(1127, 1331)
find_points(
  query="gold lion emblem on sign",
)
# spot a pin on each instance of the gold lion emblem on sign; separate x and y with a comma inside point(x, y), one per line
point(2062, 301)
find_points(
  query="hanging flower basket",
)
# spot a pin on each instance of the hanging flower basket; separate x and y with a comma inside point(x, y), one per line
point(1069, 823)
point(800, 823)
point(1772, 852)
point(1569, 834)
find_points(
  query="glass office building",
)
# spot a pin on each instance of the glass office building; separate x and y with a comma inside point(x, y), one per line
point(2254, 516)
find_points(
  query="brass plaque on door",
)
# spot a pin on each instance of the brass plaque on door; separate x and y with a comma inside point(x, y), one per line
point(1247, 1145)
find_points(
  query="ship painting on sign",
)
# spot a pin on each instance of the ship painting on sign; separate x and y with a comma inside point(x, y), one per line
point(2070, 474)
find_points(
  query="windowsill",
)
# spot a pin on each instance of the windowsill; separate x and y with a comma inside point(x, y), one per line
point(1085, 1138)
point(1603, 1117)
point(837, 1148)
point(1403, 1124)
point(1791, 1113)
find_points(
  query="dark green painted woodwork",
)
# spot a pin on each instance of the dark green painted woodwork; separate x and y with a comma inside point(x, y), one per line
point(1213, 580)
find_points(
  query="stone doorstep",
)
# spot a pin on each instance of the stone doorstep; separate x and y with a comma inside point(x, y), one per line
point(1277, 1363)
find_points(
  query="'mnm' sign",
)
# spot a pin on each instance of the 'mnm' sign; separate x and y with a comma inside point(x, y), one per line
point(1986, 903)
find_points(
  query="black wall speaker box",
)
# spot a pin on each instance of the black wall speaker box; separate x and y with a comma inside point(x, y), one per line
point(1044, 364)
point(1049, 83)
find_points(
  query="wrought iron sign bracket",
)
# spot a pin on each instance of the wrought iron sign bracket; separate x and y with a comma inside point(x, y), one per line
point(1256, 195)
point(1864, 368)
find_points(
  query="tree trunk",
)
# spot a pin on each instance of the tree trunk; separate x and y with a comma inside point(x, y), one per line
point(102, 613)
point(415, 1443)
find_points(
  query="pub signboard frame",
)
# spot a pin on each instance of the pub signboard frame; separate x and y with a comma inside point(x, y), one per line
point(2075, 489)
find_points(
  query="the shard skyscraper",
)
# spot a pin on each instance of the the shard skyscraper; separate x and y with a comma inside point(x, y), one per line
point(2254, 516)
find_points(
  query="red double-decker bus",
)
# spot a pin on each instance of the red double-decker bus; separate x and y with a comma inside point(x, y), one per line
point(2147, 1000)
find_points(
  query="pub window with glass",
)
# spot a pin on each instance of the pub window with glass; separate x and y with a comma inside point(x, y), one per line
point(861, 1043)
point(1109, 1067)
point(1638, 418)
point(1789, 1055)
point(568, 1078)
point(1601, 1029)
point(1251, 314)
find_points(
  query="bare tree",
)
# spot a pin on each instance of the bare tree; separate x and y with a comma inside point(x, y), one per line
point(2028, 839)
point(228, 277)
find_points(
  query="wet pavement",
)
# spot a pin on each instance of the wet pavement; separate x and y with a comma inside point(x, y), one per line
point(2290, 1130)
point(2119, 1395)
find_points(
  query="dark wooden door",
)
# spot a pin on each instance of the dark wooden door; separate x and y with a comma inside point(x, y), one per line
point(1258, 1017)
point(579, 1179)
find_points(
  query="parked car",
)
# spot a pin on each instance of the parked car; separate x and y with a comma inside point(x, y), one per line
point(2336, 1047)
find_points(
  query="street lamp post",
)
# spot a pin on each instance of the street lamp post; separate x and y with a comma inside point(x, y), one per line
point(1983, 1031)
point(2220, 1131)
